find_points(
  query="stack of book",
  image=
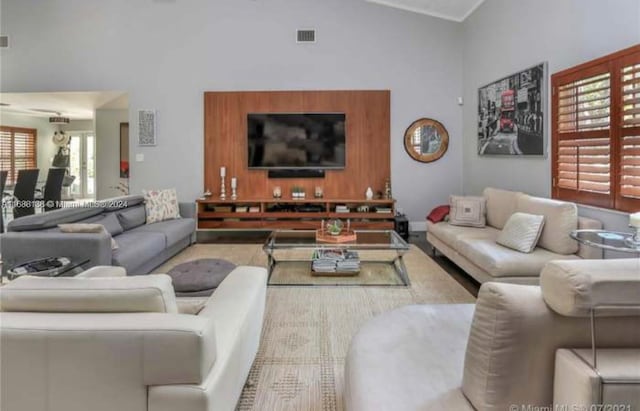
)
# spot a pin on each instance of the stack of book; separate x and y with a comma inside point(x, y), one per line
point(342, 209)
point(383, 210)
point(335, 261)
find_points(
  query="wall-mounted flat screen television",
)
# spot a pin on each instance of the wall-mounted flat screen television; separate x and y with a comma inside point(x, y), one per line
point(296, 140)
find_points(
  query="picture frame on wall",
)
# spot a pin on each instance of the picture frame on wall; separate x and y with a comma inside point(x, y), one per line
point(147, 127)
point(512, 114)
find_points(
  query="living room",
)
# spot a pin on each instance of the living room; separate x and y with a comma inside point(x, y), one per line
point(194, 73)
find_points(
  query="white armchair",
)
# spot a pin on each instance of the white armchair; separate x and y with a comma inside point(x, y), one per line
point(120, 343)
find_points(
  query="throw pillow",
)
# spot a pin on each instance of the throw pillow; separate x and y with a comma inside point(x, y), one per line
point(438, 214)
point(467, 211)
point(161, 205)
point(86, 228)
point(521, 232)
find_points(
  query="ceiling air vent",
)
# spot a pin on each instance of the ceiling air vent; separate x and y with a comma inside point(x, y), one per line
point(4, 42)
point(306, 36)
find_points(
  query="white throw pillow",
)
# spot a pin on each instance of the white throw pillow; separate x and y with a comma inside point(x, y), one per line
point(521, 232)
point(161, 205)
point(467, 211)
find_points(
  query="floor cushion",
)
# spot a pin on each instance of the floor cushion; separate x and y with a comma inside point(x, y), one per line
point(199, 277)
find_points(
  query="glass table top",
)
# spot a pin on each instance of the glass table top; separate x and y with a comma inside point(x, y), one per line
point(365, 239)
point(607, 240)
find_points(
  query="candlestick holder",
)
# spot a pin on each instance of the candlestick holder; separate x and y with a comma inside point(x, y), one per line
point(234, 194)
point(223, 194)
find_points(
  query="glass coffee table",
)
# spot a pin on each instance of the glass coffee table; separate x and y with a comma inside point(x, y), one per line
point(293, 254)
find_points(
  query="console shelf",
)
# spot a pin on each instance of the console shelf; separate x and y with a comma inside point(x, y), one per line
point(284, 213)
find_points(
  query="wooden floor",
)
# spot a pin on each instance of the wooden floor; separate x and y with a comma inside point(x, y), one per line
point(417, 238)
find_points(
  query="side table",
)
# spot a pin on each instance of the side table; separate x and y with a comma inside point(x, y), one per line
point(48, 267)
point(607, 240)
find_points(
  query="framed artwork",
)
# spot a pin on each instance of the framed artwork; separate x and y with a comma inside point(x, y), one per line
point(512, 114)
point(147, 127)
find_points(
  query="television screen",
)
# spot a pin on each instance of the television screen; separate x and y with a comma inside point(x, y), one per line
point(289, 140)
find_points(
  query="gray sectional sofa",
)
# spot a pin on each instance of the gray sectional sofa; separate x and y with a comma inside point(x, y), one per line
point(141, 247)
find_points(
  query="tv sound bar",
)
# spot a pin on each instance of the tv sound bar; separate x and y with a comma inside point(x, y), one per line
point(303, 173)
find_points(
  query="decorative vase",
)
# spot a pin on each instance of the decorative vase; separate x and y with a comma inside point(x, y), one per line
point(369, 193)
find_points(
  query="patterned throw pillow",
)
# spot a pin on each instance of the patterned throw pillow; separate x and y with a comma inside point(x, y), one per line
point(161, 205)
point(467, 211)
point(521, 232)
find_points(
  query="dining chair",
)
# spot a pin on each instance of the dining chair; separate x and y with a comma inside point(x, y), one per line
point(24, 192)
point(53, 188)
point(3, 183)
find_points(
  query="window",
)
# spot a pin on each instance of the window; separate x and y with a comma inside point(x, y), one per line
point(17, 150)
point(596, 132)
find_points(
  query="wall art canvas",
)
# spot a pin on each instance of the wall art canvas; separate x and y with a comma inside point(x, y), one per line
point(512, 114)
point(147, 127)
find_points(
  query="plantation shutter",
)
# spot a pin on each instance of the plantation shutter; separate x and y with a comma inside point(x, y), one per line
point(582, 138)
point(596, 132)
point(6, 162)
point(17, 150)
point(628, 197)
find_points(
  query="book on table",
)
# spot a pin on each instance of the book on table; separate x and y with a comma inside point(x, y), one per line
point(332, 260)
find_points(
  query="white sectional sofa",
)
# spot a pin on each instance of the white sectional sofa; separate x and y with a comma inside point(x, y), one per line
point(500, 354)
point(476, 251)
point(127, 343)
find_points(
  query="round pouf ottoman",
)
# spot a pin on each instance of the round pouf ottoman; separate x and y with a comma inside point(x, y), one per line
point(199, 278)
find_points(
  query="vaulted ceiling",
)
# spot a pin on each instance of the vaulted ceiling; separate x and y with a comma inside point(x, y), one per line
point(456, 10)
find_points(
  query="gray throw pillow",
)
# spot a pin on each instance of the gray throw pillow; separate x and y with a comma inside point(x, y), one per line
point(521, 232)
point(109, 221)
point(467, 211)
point(133, 217)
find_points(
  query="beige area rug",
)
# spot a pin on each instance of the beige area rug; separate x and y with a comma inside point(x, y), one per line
point(307, 330)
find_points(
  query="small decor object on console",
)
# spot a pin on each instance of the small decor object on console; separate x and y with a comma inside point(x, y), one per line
point(234, 186)
point(223, 174)
point(369, 193)
point(318, 192)
point(297, 193)
point(277, 192)
point(387, 189)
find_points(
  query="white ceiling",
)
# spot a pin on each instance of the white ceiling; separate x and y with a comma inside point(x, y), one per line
point(456, 10)
point(75, 105)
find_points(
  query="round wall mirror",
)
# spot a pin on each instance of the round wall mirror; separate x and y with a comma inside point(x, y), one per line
point(426, 140)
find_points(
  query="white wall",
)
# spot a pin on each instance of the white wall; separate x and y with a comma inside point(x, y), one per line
point(504, 36)
point(108, 151)
point(45, 149)
point(167, 53)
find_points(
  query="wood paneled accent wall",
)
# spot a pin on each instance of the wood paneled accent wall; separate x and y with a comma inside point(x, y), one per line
point(367, 140)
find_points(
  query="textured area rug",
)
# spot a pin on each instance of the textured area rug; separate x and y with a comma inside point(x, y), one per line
point(307, 330)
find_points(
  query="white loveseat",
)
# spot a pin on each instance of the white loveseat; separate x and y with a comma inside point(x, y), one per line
point(501, 353)
point(104, 344)
point(475, 249)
